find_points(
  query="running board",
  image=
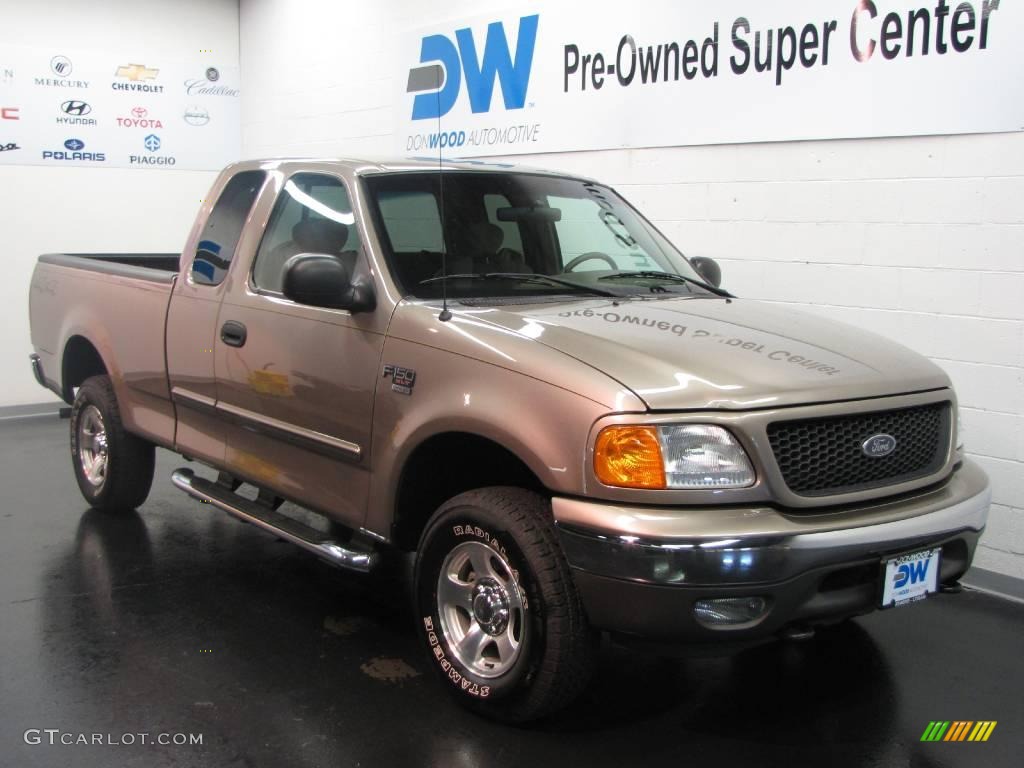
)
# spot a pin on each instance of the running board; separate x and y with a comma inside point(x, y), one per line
point(264, 517)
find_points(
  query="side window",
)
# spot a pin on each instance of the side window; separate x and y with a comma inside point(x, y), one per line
point(312, 215)
point(220, 237)
point(578, 234)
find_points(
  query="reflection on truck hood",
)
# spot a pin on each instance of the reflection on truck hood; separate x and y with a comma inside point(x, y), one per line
point(708, 353)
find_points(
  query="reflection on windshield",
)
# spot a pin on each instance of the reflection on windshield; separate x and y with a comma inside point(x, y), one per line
point(581, 236)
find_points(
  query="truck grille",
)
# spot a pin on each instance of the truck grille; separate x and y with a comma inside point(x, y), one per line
point(823, 457)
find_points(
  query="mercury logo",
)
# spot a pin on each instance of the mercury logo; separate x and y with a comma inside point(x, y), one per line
point(61, 66)
point(438, 83)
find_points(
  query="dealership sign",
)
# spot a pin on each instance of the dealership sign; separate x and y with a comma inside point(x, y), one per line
point(598, 75)
point(104, 108)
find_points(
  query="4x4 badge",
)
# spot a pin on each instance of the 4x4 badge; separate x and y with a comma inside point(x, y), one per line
point(402, 379)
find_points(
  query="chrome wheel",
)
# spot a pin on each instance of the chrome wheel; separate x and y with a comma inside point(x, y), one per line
point(481, 609)
point(92, 446)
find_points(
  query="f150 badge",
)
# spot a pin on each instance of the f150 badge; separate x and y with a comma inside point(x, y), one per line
point(402, 379)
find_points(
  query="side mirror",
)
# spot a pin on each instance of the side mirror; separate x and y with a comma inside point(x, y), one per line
point(320, 280)
point(708, 269)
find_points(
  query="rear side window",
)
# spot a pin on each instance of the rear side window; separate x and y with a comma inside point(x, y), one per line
point(219, 239)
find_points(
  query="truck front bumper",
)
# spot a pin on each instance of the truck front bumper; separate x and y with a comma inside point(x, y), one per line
point(642, 570)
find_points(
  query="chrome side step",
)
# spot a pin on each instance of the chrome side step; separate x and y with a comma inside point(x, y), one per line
point(265, 517)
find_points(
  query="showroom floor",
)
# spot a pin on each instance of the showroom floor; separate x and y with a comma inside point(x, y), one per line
point(180, 619)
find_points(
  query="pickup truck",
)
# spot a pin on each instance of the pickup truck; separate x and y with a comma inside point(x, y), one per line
point(514, 375)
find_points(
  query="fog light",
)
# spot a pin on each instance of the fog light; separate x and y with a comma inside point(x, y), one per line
point(722, 612)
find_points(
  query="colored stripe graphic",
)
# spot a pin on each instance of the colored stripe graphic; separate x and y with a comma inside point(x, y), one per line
point(958, 730)
point(935, 730)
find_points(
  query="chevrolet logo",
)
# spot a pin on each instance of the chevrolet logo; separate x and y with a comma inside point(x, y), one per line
point(137, 72)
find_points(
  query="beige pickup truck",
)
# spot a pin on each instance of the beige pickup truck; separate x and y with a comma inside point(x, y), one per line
point(516, 376)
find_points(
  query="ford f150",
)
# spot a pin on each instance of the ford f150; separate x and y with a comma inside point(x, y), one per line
point(516, 376)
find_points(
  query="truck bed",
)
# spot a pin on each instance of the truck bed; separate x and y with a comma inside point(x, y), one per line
point(159, 267)
point(115, 303)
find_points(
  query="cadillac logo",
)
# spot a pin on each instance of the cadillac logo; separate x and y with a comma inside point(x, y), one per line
point(878, 446)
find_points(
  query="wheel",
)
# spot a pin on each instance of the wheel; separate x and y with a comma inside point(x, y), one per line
point(497, 608)
point(114, 469)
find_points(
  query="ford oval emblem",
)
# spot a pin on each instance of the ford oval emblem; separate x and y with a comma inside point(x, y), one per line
point(878, 446)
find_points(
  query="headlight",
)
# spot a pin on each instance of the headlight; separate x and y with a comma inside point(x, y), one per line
point(678, 456)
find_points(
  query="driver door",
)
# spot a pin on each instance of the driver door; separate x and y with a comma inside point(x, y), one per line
point(295, 383)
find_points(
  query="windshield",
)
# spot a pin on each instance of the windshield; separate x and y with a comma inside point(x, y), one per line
point(497, 226)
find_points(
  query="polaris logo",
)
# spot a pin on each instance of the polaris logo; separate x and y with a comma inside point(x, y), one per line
point(878, 446)
point(437, 85)
point(74, 147)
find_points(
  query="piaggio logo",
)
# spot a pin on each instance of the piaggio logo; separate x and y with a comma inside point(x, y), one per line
point(959, 730)
point(438, 83)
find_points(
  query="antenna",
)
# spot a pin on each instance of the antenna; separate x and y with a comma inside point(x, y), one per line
point(445, 315)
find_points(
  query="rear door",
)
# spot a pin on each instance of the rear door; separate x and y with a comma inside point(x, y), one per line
point(296, 392)
point(192, 318)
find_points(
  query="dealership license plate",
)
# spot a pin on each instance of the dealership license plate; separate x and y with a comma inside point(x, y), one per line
point(910, 577)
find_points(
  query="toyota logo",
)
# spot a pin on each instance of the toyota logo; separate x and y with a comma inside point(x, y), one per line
point(878, 446)
point(140, 112)
point(73, 107)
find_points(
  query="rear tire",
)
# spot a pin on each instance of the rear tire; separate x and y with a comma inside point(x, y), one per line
point(497, 608)
point(114, 469)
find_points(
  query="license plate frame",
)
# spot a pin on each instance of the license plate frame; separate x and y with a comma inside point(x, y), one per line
point(918, 582)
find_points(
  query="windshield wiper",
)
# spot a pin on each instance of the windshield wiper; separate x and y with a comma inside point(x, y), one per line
point(522, 277)
point(670, 276)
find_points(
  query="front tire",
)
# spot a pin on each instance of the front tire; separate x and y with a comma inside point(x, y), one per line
point(114, 469)
point(497, 607)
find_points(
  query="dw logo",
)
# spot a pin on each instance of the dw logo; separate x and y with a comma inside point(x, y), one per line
point(443, 80)
point(913, 572)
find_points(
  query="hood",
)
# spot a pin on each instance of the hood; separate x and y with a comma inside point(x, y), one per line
point(685, 353)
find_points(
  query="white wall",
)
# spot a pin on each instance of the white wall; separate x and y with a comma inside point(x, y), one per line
point(45, 209)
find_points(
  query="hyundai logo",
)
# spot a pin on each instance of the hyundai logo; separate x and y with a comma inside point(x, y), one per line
point(74, 144)
point(73, 107)
point(878, 446)
point(152, 142)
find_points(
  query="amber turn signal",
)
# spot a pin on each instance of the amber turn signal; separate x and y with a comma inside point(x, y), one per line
point(629, 457)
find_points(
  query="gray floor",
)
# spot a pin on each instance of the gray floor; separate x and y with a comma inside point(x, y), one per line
point(179, 619)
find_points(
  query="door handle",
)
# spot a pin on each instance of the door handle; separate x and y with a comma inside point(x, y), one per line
point(233, 333)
